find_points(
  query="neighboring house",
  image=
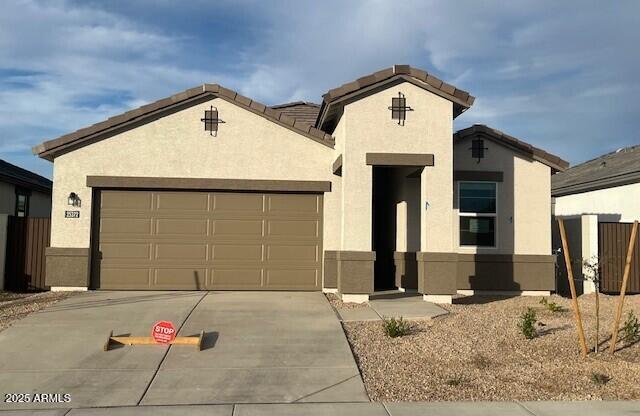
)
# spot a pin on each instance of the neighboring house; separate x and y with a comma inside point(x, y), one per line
point(23, 193)
point(370, 190)
point(599, 199)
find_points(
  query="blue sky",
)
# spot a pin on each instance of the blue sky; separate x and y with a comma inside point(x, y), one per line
point(560, 75)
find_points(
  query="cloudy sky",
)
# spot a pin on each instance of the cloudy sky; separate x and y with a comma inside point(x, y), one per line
point(561, 75)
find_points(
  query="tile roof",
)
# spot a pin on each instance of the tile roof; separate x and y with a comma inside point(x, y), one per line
point(23, 178)
point(302, 111)
point(452, 92)
point(617, 168)
point(555, 162)
point(51, 148)
point(335, 99)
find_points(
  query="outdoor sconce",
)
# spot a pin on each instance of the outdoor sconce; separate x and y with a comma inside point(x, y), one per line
point(399, 108)
point(74, 200)
point(211, 121)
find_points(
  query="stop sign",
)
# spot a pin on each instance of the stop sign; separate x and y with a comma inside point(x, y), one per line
point(163, 332)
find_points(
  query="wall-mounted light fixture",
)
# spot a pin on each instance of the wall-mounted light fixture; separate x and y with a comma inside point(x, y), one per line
point(399, 108)
point(74, 200)
point(211, 121)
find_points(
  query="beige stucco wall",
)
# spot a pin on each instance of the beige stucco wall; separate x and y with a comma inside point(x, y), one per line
point(524, 200)
point(617, 204)
point(247, 147)
point(333, 200)
point(370, 129)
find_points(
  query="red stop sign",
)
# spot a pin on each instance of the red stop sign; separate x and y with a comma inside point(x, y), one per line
point(163, 332)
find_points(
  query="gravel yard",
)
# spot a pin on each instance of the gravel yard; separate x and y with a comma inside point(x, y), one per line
point(338, 304)
point(14, 306)
point(477, 352)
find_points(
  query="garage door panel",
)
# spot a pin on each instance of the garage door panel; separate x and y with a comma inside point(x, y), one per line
point(292, 204)
point(292, 253)
point(182, 201)
point(125, 226)
point(125, 251)
point(124, 278)
point(237, 252)
point(306, 279)
point(213, 240)
point(293, 229)
point(238, 202)
point(181, 251)
point(236, 278)
point(126, 200)
point(182, 227)
point(237, 228)
point(180, 278)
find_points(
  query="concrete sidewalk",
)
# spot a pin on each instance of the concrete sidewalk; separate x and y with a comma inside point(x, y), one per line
point(583, 408)
point(394, 304)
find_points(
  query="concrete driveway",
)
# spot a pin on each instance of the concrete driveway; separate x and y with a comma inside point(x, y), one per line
point(260, 347)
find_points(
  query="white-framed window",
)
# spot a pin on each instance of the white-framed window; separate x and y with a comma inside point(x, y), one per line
point(478, 212)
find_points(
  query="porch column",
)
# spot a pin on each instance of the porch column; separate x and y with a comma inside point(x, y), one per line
point(437, 260)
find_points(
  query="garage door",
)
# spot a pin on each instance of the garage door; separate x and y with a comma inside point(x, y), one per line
point(208, 240)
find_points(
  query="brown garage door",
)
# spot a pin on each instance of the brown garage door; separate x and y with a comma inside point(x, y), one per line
point(208, 240)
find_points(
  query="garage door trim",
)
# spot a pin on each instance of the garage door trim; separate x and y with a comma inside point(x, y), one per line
point(207, 184)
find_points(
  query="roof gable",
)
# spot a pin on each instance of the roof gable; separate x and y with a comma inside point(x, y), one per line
point(147, 113)
point(482, 131)
point(335, 99)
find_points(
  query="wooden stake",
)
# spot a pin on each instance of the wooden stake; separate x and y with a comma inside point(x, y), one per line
point(623, 289)
point(127, 340)
point(572, 286)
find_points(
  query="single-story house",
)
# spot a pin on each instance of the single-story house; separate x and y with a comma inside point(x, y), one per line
point(370, 190)
point(23, 193)
point(598, 200)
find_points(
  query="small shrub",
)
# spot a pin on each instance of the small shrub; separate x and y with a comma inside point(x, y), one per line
point(527, 323)
point(454, 381)
point(551, 306)
point(396, 327)
point(600, 379)
point(631, 328)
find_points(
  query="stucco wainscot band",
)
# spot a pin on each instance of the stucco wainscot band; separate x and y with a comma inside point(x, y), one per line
point(355, 275)
point(67, 268)
point(330, 282)
point(406, 271)
point(437, 274)
point(506, 272)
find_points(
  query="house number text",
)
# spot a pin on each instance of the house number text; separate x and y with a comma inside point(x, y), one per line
point(72, 214)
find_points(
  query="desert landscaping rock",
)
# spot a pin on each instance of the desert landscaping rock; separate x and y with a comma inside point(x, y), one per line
point(14, 306)
point(477, 352)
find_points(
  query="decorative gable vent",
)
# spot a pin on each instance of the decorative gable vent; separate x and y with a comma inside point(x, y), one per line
point(399, 108)
point(477, 149)
point(211, 121)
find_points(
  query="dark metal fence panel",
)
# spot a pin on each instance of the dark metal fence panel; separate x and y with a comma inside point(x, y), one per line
point(613, 242)
point(27, 239)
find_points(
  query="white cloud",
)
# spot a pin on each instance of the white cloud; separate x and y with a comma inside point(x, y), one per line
point(561, 76)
